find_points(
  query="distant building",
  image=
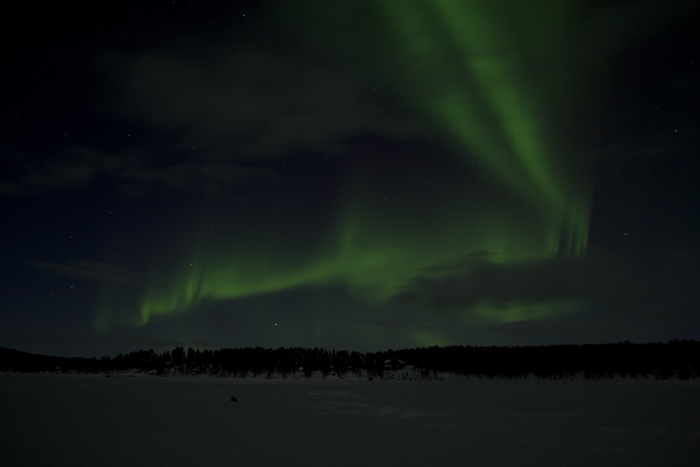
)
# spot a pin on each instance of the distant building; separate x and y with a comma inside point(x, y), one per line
point(394, 364)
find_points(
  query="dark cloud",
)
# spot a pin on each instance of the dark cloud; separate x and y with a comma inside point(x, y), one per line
point(530, 281)
point(254, 102)
point(95, 271)
point(131, 172)
point(613, 283)
point(207, 175)
point(25, 173)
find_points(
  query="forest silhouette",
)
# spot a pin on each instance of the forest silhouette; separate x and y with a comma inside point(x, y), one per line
point(678, 359)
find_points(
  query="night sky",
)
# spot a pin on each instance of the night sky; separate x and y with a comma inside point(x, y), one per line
point(357, 175)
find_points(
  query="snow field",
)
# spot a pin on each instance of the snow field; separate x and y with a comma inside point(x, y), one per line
point(92, 420)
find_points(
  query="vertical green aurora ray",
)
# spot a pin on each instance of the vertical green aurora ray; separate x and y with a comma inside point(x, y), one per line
point(501, 76)
point(497, 82)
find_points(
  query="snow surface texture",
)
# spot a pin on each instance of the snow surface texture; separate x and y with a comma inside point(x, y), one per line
point(147, 421)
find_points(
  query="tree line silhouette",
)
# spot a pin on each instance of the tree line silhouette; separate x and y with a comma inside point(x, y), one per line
point(674, 359)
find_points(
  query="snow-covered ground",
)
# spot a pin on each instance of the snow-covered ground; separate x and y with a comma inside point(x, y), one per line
point(54, 420)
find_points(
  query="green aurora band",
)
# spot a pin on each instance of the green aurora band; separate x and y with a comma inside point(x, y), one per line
point(504, 82)
point(502, 87)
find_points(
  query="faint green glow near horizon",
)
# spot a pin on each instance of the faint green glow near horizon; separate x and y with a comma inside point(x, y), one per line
point(497, 84)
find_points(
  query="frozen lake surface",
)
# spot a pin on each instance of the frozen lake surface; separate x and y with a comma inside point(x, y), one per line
point(146, 421)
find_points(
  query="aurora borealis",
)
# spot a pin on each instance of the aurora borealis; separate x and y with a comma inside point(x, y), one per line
point(374, 251)
point(351, 175)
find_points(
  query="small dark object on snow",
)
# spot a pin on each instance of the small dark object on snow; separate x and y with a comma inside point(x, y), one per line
point(233, 399)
